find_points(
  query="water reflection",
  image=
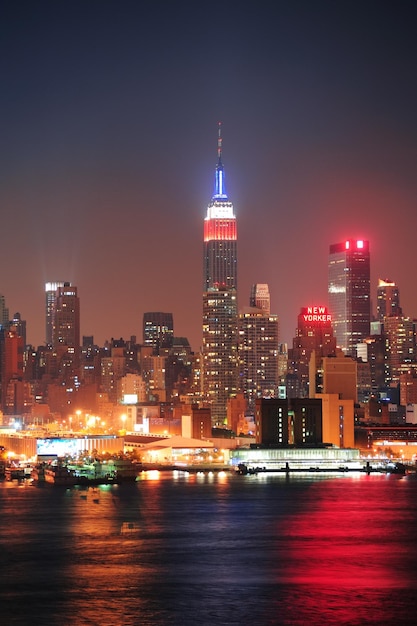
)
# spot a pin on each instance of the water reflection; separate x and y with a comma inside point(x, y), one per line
point(209, 549)
point(351, 552)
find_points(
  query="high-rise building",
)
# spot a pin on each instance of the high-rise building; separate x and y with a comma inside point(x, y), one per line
point(375, 356)
point(4, 313)
point(349, 293)
point(19, 326)
point(220, 235)
point(50, 295)
point(388, 299)
point(11, 371)
point(314, 333)
point(112, 370)
point(400, 346)
point(220, 298)
point(258, 343)
point(220, 367)
point(158, 330)
point(66, 326)
point(260, 298)
point(66, 332)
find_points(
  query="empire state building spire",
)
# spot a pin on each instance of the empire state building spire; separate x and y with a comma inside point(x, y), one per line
point(220, 189)
point(220, 233)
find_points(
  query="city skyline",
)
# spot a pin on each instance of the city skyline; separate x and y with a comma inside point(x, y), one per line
point(109, 121)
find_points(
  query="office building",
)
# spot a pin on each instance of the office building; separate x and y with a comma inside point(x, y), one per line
point(375, 356)
point(349, 293)
point(4, 313)
point(113, 368)
point(408, 389)
point(400, 346)
point(11, 372)
point(178, 369)
point(66, 323)
point(258, 344)
point(314, 333)
point(388, 300)
point(334, 374)
point(220, 355)
point(219, 298)
point(50, 297)
point(272, 422)
point(338, 426)
point(19, 326)
point(66, 332)
point(158, 330)
point(283, 422)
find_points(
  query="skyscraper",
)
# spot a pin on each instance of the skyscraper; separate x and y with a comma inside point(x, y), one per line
point(50, 294)
point(220, 234)
point(158, 330)
point(220, 298)
point(314, 333)
point(4, 313)
point(11, 371)
point(349, 293)
point(388, 299)
point(66, 331)
point(258, 343)
point(400, 346)
point(66, 327)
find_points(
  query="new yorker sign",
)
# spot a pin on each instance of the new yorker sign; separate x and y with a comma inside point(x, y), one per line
point(315, 314)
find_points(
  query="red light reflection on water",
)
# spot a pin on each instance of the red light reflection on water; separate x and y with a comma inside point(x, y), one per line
point(330, 539)
point(349, 557)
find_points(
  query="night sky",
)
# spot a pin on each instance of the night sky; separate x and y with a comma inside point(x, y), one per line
point(108, 147)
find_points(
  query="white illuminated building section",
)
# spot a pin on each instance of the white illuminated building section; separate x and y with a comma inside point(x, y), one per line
point(220, 210)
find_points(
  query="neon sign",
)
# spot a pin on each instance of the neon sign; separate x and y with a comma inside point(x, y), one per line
point(316, 314)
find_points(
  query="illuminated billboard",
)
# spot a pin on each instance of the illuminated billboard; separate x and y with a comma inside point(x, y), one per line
point(316, 315)
point(57, 447)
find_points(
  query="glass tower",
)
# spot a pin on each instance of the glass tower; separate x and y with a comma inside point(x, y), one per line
point(349, 293)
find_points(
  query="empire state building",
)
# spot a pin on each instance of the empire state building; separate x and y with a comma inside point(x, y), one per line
point(220, 373)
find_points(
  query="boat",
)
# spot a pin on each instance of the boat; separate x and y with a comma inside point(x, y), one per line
point(59, 475)
point(125, 470)
point(13, 472)
point(113, 471)
point(110, 472)
point(38, 473)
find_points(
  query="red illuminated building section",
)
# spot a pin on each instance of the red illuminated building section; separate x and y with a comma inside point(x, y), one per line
point(220, 230)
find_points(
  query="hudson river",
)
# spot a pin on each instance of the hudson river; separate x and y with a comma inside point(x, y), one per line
point(211, 549)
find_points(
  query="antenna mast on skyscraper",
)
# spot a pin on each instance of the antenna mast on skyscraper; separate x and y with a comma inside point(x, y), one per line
point(219, 142)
